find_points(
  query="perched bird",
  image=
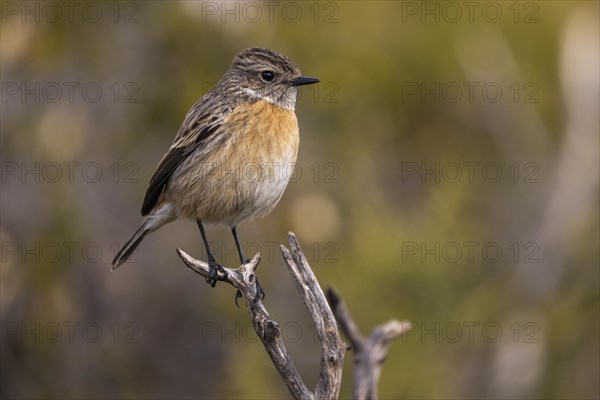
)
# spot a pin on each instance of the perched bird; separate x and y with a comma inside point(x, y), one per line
point(231, 157)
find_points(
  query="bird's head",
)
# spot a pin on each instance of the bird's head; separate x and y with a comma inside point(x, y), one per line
point(267, 75)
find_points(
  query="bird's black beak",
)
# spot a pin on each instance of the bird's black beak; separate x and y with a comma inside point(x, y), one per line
point(303, 80)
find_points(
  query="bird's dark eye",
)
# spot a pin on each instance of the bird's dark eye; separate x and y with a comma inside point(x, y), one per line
point(267, 76)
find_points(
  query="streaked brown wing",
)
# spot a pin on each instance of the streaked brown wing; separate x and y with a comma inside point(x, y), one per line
point(203, 119)
point(169, 163)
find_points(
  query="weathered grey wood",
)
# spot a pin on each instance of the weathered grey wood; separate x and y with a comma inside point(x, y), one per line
point(369, 353)
point(332, 347)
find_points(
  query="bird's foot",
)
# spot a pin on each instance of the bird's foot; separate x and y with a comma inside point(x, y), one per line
point(260, 295)
point(238, 295)
point(214, 269)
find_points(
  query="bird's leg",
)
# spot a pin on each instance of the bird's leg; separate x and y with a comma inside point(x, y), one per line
point(212, 262)
point(243, 258)
point(260, 293)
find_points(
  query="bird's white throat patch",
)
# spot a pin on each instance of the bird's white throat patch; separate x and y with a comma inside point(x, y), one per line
point(288, 102)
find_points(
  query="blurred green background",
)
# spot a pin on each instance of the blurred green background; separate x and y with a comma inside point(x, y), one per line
point(448, 175)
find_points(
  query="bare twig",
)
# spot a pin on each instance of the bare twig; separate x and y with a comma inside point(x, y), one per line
point(332, 348)
point(369, 353)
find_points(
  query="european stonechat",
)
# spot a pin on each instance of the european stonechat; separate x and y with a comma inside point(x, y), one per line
point(231, 158)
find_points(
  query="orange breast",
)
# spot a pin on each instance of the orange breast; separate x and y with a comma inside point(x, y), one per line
point(264, 132)
point(245, 176)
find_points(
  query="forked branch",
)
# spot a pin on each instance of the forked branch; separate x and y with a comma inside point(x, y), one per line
point(370, 352)
point(332, 347)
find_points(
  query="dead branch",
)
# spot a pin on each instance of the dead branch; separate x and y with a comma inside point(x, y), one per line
point(332, 347)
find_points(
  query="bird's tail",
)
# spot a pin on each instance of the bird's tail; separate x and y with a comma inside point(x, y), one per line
point(151, 223)
point(132, 244)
